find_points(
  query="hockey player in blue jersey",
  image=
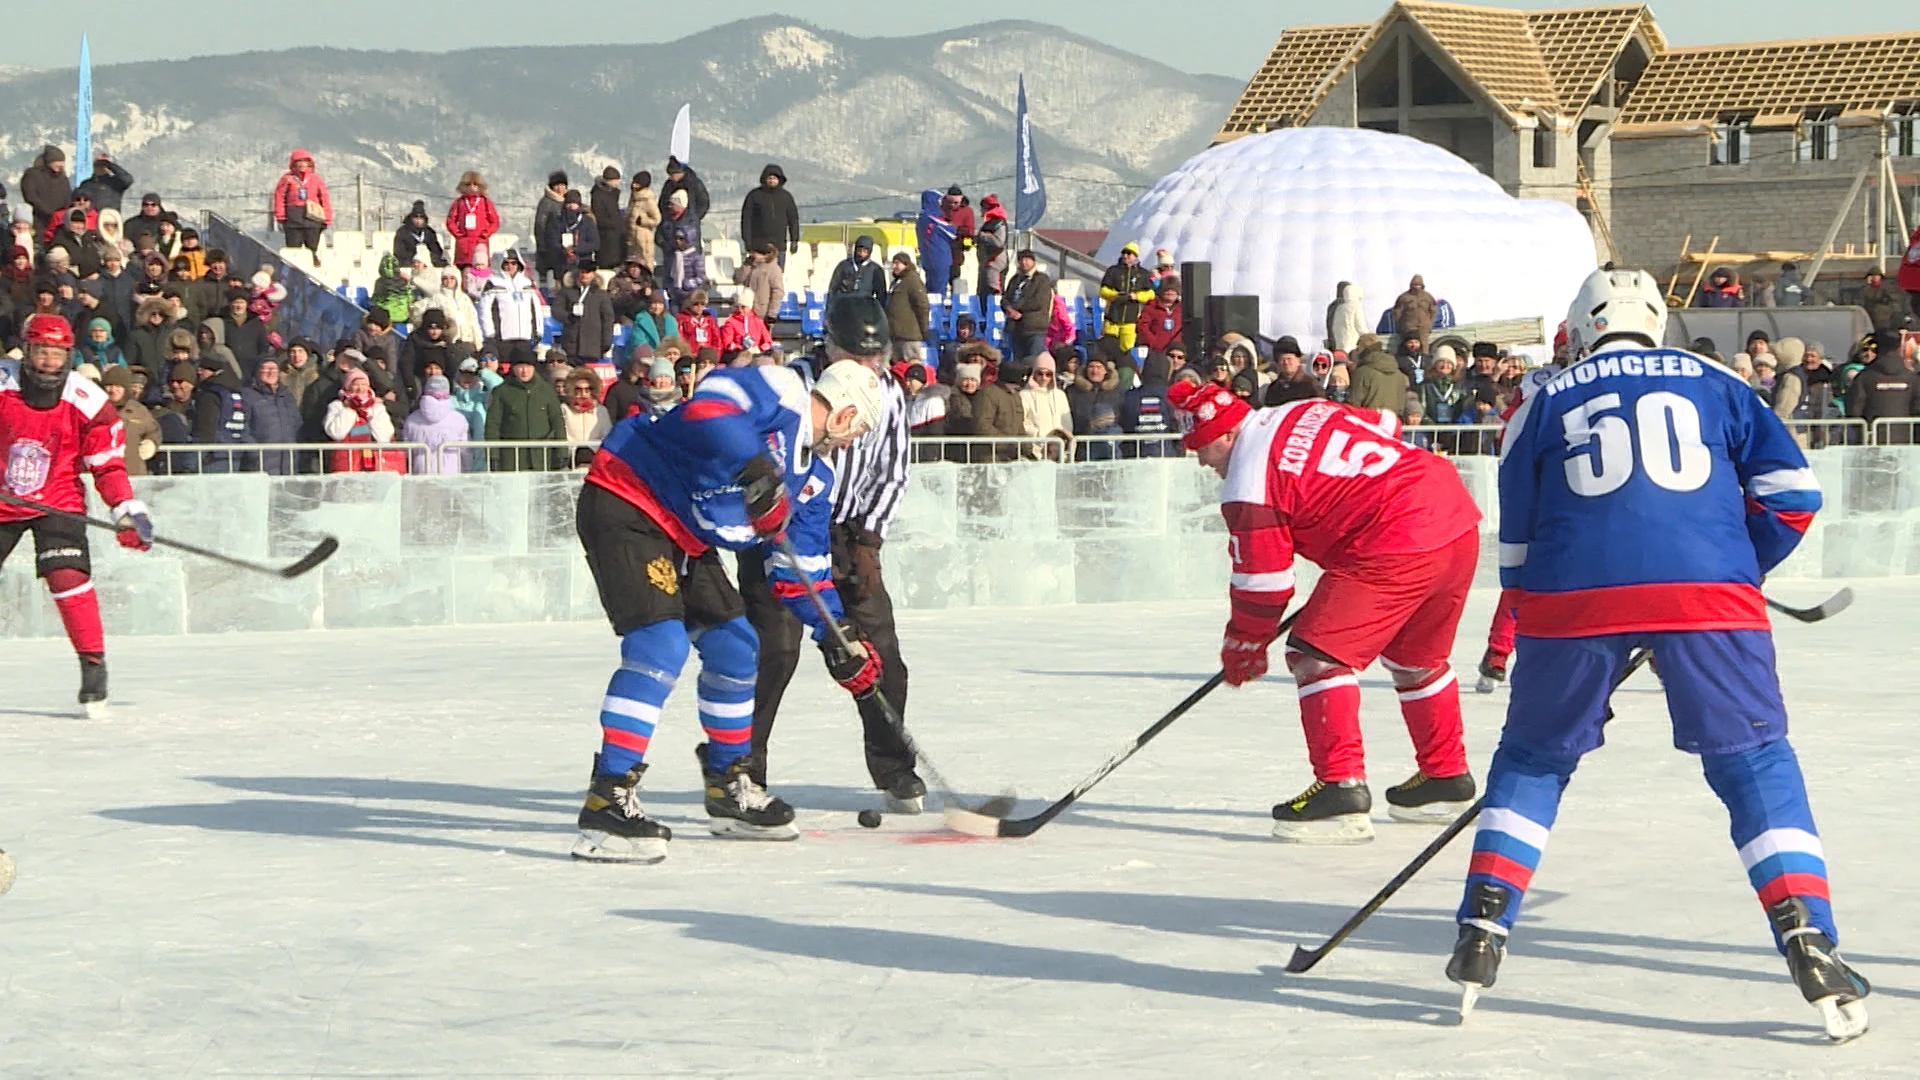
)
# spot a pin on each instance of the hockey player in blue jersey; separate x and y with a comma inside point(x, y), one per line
point(1644, 491)
point(741, 464)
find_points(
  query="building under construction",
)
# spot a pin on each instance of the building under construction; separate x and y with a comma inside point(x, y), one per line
point(1788, 149)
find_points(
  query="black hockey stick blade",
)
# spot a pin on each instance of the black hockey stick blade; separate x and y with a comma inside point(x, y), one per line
point(1303, 959)
point(321, 552)
point(1825, 609)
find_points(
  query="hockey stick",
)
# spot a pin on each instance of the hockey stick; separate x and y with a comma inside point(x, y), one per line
point(1304, 959)
point(978, 825)
point(1825, 609)
point(321, 552)
point(947, 797)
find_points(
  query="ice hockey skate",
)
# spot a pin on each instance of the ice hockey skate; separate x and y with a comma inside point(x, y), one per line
point(1825, 980)
point(1430, 800)
point(906, 794)
point(739, 809)
point(613, 827)
point(1481, 945)
point(1493, 672)
point(93, 686)
point(1326, 814)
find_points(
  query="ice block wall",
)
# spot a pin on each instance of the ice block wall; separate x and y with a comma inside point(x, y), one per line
point(499, 548)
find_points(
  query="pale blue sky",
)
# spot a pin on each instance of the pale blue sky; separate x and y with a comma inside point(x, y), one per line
point(1222, 37)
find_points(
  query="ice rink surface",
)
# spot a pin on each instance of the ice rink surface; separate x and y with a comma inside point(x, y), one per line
point(343, 854)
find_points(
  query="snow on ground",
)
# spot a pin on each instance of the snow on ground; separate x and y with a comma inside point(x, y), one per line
point(344, 854)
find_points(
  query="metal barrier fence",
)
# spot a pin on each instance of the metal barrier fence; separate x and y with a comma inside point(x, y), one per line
point(314, 459)
point(1455, 439)
point(986, 450)
point(1899, 431)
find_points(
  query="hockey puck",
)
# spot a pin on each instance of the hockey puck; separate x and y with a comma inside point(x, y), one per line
point(869, 819)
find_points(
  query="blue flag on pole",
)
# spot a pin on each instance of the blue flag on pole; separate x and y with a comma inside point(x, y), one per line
point(1030, 189)
point(83, 118)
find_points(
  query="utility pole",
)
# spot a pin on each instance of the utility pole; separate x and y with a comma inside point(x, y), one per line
point(1880, 243)
point(360, 200)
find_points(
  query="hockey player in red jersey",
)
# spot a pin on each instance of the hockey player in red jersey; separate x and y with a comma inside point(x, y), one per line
point(1396, 535)
point(54, 424)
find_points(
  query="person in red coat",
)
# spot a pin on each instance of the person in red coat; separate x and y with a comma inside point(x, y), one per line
point(744, 329)
point(1161, 320)
point(697, 324)
point(1396, 537)
point(471, 221)
point(302, 207)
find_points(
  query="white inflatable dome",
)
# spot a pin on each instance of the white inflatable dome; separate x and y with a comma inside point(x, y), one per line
point(1288, 215)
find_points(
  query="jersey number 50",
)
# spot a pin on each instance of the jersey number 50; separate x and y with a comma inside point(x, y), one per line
point(1671, 452)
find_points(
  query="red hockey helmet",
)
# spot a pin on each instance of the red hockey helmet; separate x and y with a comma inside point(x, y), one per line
point(46, 329)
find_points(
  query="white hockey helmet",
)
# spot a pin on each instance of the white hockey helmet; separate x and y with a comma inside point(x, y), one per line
point(850, 383)
point(1613, 303)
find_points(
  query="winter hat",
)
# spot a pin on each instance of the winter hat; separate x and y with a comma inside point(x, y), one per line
point(557, 178)
point(1213, 409)
point(571, 198)
point(23, 212)
point(967, 371)
point(918, 371)
point(53, 154)
point(419, 209)
point(182, 373)
point(678, 198)
point(351, 356)
point(710, 356)
point(660, 366)
point(1288, 344)
point(380, 317)
point(1163, 259)
point(432, 318)
point(469, 364)
point(611, 172)
point(863, 243)
point(117, 376)
point(903, 258)
point(643, 179)
point(1758, 335)
point(955, 191)
point(1791, 350)
point(1485, 349)
point(1129, 248)
point(1045, 362)
point(438, 386)
point(1444, 352)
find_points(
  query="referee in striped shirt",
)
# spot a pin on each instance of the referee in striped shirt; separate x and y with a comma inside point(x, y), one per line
point(870, 481)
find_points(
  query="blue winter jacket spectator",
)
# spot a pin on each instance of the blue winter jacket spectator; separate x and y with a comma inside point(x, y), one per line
point(936, 243)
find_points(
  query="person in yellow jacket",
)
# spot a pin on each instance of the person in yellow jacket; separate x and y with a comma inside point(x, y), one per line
point(1124, 288)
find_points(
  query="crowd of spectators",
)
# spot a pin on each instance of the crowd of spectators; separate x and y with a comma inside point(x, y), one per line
point(451, 352)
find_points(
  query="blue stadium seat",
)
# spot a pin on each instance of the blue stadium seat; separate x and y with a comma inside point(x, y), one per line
point(789, 307)
point(813, 320)
point(550, 332)
point(361, 296)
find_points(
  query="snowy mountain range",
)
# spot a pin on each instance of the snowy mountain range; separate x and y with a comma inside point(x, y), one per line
point(859, 124)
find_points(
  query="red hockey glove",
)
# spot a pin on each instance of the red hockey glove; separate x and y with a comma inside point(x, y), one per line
point(766, 494)
point(135, 528)
point(1243, 651)
point(857, 672)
